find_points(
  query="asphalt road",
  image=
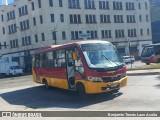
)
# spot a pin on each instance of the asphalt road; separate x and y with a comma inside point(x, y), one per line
point(135, 64)
point(20, 93)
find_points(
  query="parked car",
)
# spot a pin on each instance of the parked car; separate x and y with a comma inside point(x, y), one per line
point(128, 59)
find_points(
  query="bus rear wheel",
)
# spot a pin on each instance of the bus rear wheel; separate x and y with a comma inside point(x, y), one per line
point(46, 85)
point(81, 89)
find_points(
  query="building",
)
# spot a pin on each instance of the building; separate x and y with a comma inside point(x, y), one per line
point(26, 25)
point(155, 20)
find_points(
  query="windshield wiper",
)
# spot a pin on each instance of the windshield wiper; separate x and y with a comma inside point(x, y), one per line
point(110, 60)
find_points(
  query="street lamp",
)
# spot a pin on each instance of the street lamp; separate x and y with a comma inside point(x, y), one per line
point(128, 39)
point(54, 36)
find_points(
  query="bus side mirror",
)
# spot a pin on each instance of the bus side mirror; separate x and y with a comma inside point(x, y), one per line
point(74, 56)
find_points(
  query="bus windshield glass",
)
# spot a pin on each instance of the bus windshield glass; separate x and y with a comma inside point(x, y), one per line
point(101, 55)
point(148, 51)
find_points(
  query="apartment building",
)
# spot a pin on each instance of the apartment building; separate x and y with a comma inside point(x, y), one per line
point(26, 25)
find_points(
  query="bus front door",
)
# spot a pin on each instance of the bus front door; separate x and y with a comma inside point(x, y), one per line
point(70, 69)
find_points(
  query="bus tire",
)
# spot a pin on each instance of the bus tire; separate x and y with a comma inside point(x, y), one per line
point(81, 89)
point(147, 63)
point(46, 84)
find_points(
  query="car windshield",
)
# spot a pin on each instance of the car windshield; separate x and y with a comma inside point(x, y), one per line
point(148, 51)
point(101, 55)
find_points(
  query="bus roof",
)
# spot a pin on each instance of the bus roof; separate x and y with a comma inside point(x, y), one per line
point(152, 45)
point(48, 48)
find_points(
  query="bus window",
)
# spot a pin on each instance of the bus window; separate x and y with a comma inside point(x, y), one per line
point(33, 61)
point(42, 59)
point(78, 64)
point(49, 63)
point(59, 58)
point(37, 61)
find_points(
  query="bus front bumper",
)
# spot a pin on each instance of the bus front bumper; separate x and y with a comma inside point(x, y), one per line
point(99, 87)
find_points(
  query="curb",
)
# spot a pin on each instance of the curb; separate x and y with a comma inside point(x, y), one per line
point(146, 73)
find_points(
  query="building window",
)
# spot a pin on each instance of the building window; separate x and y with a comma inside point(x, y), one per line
point(3, 30)
point(139, 5)
point(13, 43)
point(43, 37)
point(146, 6)
point(73, 4)
point(60, 3)
point(119, 33)
point(89, 4)
point(132, 33)
point(140, 18)
point(12, 28)
point(148, 31)
point(23, 10)
point(52, 17)
point(36, 38)
point(118, 19)
point(105, 18)
point(141, 32)
point(90, 19)
point(106, 34)
point(41, 19)
point(34, 21)
point(130, 18)
point(75, 35)
point(24, 25)
point(147, 19)
point(130, 6)
point(93, 34)
point(63, 35)
point(26, 40)
point(104, 5)
point(2, 18)
point(51, 3)
point(62, 17)
point(39, 4)
point(75, 18)
point(11, 15)
point(117, 6)
point(32, 5)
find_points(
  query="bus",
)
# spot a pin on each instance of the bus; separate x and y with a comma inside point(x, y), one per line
point(151, 54)
point(88, 67)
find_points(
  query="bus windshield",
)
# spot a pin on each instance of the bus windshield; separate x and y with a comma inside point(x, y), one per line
point(101, 55)
point(148, 51)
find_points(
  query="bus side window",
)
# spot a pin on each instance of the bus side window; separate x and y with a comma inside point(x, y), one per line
point(78, 64)
point(49, 63)
point(59, 59)
point(37, 61)
point(42, 60)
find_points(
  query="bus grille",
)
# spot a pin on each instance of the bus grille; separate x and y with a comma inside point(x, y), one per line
point(112, 78)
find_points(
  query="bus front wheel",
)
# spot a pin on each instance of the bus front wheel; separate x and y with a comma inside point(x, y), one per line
point(80, 89)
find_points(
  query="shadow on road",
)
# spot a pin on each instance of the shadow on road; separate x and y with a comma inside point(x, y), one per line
point(39, 97)
point(158, 77)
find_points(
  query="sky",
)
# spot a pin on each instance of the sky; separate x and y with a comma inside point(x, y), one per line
point(9, 1)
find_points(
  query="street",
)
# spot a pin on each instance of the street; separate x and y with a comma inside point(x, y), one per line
point(21, 93)
point(135, 64)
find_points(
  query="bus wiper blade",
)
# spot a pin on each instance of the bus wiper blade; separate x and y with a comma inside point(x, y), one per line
point(110, 60)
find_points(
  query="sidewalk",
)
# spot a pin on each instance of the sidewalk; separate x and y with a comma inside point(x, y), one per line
point(143, 72)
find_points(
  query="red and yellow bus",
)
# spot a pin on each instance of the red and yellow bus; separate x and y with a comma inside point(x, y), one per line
point(87, 67)
point(151, 54)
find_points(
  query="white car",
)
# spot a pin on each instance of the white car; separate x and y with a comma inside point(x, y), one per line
point(128, 59)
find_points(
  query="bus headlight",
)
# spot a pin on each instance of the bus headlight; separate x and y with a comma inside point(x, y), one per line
point(95, 79)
